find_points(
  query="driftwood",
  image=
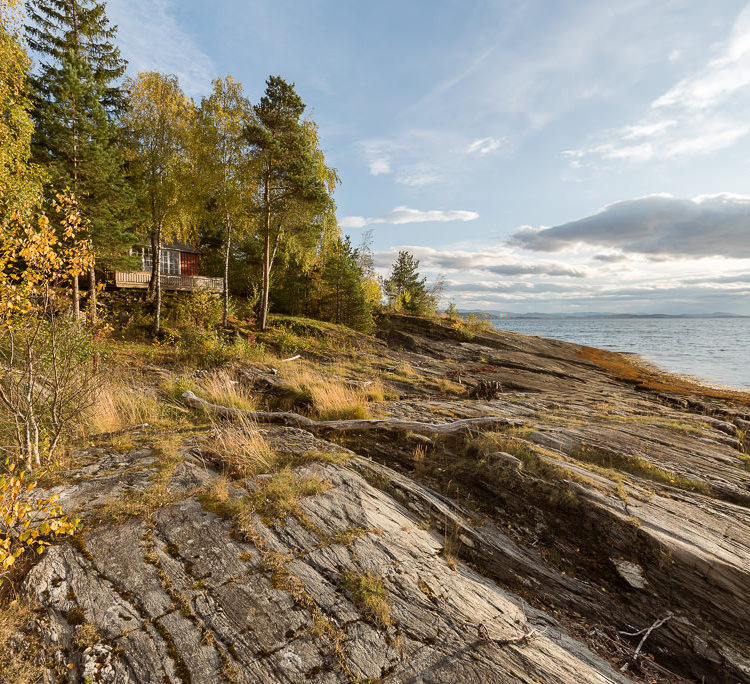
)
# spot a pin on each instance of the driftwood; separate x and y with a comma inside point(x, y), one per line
point(363, 425)
point(647, 631)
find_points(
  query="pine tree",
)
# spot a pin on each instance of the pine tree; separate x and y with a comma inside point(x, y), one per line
point(295, 186)
point(76, 103)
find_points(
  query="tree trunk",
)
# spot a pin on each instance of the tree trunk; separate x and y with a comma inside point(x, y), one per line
point(92, 295)
point(76, 299)
point(156, 276)
point(152, 280)
point(225, 319)
point(266, 259)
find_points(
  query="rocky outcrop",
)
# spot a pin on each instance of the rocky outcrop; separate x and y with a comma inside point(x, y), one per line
point(181, 595)
point(592, 530)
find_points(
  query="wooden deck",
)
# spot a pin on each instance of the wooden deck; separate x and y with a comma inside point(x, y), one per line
point(139, 280)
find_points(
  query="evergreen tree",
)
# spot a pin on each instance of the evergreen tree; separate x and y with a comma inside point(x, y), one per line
point(405, 289)
point(343, 298)
point(76, 102)
point(295, 186)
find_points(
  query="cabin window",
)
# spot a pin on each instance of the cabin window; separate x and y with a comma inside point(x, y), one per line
point(144, 255)
point(170, 262)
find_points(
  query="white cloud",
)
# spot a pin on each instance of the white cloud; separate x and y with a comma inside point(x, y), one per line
point(702, 113)
point(402, 215)
point(151, 39)
point(380, 166)
point(484, 146)
point(710, 142)
point(720, 78)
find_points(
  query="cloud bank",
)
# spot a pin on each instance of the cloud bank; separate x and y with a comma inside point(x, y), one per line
point(655, 225)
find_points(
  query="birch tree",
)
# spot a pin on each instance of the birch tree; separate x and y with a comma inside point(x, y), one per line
point(159, 119)
point(224, 183)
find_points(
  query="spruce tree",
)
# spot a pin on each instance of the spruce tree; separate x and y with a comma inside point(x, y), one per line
point(343, 298)
point(76, 104)
point(405, 289)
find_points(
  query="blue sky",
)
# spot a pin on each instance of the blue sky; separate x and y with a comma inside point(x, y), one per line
point(542, 156)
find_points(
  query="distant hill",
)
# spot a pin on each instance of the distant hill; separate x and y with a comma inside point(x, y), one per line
point(494, 315)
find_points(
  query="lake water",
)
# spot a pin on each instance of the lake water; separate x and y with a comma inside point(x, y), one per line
point(714, 350)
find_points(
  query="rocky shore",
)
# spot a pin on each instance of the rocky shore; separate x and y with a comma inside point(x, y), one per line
point(602, 534)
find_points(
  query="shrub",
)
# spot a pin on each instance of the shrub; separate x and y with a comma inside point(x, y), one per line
point(26, 523)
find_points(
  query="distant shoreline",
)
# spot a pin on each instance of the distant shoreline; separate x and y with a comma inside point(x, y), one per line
point(494, 315)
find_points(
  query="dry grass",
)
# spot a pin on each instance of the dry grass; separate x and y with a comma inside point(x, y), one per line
point(279, 496)
point(331, 398)
point(220, 388)
point(18, 668)
point(119, 406)
point(449, 387)
point(368, 595)
point(243, 448)
point(275, 499)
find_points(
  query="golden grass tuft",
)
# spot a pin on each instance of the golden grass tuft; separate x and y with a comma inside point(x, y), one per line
point(118, 406)
point(331, 398)
point(368, 595)
point(220, 388)
point(243, 448)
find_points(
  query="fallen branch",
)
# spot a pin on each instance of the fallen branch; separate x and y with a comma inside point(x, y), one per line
point(291, 358)
point(647, 631)
point(362, 425)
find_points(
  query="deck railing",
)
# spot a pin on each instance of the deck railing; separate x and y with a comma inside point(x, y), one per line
point(140, 280)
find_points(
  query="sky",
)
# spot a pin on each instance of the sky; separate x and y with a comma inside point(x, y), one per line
point(552, 156)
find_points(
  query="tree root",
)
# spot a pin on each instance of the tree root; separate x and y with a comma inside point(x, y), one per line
point(362, 425)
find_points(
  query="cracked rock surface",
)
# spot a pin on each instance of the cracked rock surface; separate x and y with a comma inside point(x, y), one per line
point(181, 597)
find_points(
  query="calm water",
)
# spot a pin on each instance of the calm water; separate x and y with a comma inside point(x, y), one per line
point(715, 350)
